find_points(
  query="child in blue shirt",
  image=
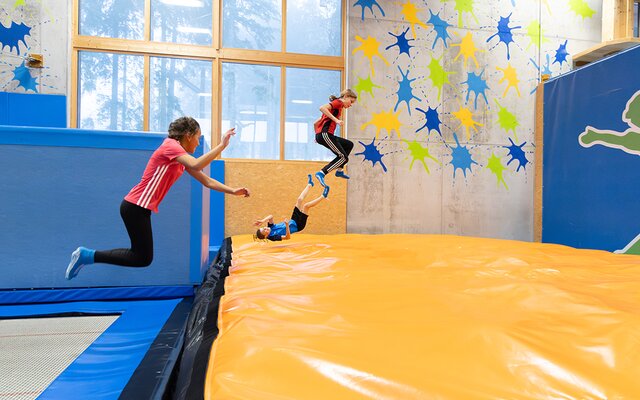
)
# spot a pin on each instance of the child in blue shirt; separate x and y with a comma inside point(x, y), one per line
point(298, 221)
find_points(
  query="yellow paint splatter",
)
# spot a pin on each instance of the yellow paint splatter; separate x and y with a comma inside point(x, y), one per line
point(370, 48)
point(511, 75)
point(534, 31)
point(495, 165)
point(438, 75)
point(410, 13)
point(384, 120)
point(468, 49)
point(465, 117)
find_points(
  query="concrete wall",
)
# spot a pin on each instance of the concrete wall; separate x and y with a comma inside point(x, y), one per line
point(481, 184)
point(34, 27)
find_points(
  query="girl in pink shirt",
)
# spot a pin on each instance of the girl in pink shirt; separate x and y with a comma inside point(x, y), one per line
point(165, 166)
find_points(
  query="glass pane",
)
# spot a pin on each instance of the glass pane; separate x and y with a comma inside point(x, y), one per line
point(122, 19)
point(307, 90)
point(251, 104)
point(255, 24)
point(181, 21)
point(636, 14)
point(180, 87)
point(110, 91)
point(314, 27)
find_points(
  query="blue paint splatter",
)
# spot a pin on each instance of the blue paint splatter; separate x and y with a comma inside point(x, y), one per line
point(504, 33)
point(371, 153)
point(368, 4)
point(561, 54)
point(461, 158)
point(516, 153)
point(547, 66)
point(402, 42)
point(405, 93)
point(24, 78)
point(433, 121)
point(476, 85)
point(13, 35)
point(440, 26)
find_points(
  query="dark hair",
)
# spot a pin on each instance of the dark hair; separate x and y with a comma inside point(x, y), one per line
point(259, 235)
point(345, 93)
point(183, 126)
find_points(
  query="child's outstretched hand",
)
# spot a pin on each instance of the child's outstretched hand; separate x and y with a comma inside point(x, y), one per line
point(340, 122)
point(257, 222)
point(241, 192)
point(227, 136)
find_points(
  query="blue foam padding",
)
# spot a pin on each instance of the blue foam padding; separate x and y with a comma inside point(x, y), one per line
point(105, 367)
point(27, 109)
point(93, 294)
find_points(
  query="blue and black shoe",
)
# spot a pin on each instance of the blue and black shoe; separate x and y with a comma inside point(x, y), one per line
point(320, 178)
point(325, 192)
point(310, 180)
point(79, 258)
point(340, 174)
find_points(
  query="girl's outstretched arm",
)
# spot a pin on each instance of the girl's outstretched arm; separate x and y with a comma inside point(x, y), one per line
point(268, 218)
point(217, 186)
point(286, 224)
point(199, 163)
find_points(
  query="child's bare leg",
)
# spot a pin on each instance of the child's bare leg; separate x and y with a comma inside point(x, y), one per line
point(305, 208)
point(300, 201)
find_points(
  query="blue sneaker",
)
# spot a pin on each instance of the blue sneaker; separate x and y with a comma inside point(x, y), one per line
point(79, 258)
point(320, 178)
point(340, 174)
point(325, 192)
point(310, 181)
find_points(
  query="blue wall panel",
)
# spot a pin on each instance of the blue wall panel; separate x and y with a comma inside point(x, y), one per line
point(26, 109)
point(56, 196)
point(590, 194)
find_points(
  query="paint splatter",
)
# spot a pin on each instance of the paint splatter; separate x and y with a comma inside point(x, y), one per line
point(22, 74)
point(419, 153)
point(410, 13)
point(438, 75)
point(461, 158)
point(13, 35)
point(463, 6)
point(507, 120)
point(477, 85)
point(511, 76)
point(465, 117)
point(372, 153)
point(368, 4)
point(495, 165)
point(384, 120)
point(370, 48)
point(504, 33)
point(561, 54)
point(405, 93)
point(534, 31)
point(581, 8)
point(402, 42)
point(468, 49)
point(440, 26)
point(546, 69)
point(432, 120)
point(516, 153)
point(365, 85)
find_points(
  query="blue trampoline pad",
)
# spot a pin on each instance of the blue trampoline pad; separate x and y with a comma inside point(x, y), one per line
point(106, 366)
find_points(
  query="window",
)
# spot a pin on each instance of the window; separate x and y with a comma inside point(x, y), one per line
point(262, 66)
point(636, 19)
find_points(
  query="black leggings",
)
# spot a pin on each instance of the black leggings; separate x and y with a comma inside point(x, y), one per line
point(138, 223)
point(338, 146)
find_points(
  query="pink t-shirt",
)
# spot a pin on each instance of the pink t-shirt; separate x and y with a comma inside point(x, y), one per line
point(161, 172)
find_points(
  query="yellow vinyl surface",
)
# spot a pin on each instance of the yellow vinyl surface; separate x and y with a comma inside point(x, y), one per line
point(425, 317)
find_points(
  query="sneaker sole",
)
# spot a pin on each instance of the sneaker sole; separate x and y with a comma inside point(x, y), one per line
point(74, 259)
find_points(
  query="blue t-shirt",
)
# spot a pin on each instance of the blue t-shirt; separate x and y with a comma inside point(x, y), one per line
point(280, 230)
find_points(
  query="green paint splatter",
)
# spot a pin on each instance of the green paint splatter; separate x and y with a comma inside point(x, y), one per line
point(438, 75)
point(419, 153)
point(463, 6)
point(18, 3)
point(507, 121)
point(495, 165)
point(534, 31)
point(581, 8)
point(365, 85)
